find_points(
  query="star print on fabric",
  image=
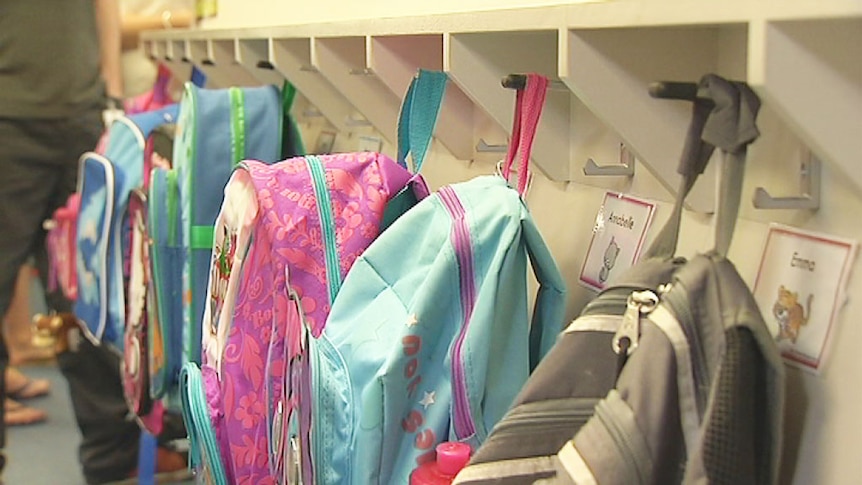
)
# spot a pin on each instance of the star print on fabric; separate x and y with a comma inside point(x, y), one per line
point(411, 320)
point(428, 399)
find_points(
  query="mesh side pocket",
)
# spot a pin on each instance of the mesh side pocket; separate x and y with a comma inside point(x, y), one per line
point(733, 443)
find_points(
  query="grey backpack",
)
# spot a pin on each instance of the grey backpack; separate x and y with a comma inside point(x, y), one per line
point(669, 375)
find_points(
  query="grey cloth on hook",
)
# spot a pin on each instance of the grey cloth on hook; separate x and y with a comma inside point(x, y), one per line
point(723, 116)
point(730, 127)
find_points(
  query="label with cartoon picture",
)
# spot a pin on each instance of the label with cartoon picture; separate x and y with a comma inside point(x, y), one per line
point(618, 237)
point(221, 266)
point(800, 290)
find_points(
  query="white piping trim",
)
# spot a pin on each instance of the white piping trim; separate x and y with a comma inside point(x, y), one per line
point(520, 467)
point(595, 323)
point(135, 129)
point(689, 416)
point(575, 466)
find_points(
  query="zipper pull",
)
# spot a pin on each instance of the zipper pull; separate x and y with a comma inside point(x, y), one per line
point(626, 339)
point(294, 467)
point(278, 436)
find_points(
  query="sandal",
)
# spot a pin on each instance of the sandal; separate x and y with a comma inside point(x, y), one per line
point(19, 386)
point(18, 414)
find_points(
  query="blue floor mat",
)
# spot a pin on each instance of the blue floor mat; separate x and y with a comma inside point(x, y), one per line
point(45, 453)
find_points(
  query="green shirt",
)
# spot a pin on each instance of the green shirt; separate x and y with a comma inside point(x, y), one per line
point(49, 58)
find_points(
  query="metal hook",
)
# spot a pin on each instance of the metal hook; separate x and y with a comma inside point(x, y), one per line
point(626, 167)
point(484, 147)
point(350, 121)
point(311, 113)
point(809, 181)
point(365, 71)
point(265, 65)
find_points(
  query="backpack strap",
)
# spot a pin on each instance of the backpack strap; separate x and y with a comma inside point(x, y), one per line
point(528, 110)
point(418, 117)
point(723, 115)
point(550, 307)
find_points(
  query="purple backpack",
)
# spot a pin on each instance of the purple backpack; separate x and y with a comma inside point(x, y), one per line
point(286, 236)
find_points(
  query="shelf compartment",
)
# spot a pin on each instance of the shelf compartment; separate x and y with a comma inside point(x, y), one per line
point(810, 72)
point(345, 62)
point(478, 61)
point(293, 59)
point(395, 60)
point(256, 57)
point(610, 69)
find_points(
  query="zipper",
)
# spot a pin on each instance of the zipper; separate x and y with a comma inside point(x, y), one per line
point(611, 301)
point(621, 438)
point(196, 407)
point(628, 335)
point(172, 190)
point(155, 276)
point(315, 432)
point(678, 302)
point(460, 236)
point(237, 124)
point(327, 224)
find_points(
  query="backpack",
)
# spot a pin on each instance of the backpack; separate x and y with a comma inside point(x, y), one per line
point(216, 129)
point(286, 236)
point(105, 183)
point(669, 375)
point(430, 338)
point(141, 304)
point(61, 248)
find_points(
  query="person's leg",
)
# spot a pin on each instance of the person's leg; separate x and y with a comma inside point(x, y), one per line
point(109, 437)
point(26, 188)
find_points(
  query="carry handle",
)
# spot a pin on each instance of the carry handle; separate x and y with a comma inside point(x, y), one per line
point(528, 110)
point(418, 117)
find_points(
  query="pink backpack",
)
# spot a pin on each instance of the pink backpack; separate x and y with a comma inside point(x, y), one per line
point(60, 241)
point(286, 236)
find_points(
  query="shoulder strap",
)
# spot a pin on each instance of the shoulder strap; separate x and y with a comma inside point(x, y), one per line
point(152, 120)
point(550, 307)
point(528, 110)
point(418, 116)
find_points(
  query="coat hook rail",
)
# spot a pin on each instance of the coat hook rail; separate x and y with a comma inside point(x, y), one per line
point(519, 81)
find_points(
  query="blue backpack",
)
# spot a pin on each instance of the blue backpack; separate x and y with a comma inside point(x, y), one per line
point(105, 184)
point(216, 129)
point(434, 345)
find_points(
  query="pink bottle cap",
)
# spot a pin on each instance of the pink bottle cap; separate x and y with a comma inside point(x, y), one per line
point(452, 457)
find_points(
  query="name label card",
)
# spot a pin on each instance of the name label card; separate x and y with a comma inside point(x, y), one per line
point(618, 237)
point(800, 289)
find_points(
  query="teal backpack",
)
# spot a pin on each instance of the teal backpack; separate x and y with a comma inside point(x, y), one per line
point(433, 345)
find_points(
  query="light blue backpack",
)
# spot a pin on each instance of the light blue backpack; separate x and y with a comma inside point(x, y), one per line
point(105, 184)
point(430, 337)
